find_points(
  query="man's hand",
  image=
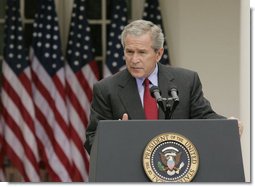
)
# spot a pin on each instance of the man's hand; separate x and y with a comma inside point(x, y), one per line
point(125, 116)
point(240, 126)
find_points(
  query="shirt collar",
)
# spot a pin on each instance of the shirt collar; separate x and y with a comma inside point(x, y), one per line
point(153, 77)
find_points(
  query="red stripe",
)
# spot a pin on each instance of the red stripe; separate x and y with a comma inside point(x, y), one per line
point(77, 106)
point(54, 177)
point(43, 120)
point(45, 93)
point(94, 66)
point(57, 148)
point(84, 84)
point(18, 162)
point(18, 102)
point(26, 82)
point(79, 144)
point(28, 152)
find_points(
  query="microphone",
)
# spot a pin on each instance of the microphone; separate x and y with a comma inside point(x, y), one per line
point(174, 93)
point(155, 92)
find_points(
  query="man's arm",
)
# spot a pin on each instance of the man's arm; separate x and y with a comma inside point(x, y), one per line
point(99, 110)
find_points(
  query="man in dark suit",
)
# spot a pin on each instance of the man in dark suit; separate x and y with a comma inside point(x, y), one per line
point(121, 95)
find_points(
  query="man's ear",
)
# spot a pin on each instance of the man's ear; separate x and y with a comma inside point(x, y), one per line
point(160, 52)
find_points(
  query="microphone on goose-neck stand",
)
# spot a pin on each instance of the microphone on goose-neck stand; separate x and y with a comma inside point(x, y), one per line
point(155, 92)
point(168, 105)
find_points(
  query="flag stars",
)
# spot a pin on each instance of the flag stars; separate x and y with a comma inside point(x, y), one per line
point(10, 55)
point(118, 46)
point(116, 55)
point(55, 37)
point(54, 66)
point(79, 50)
point(18, 66)
point(77, 53)
point(48, 27)
point(85, 57)
point(47, 45)
point(114, 50)
point(82, 8)
point(114, 64)
point(46, 55)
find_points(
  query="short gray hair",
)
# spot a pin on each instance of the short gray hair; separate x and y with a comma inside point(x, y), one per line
point(140, 27)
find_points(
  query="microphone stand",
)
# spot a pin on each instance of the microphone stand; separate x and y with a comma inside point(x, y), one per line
point(168, 105)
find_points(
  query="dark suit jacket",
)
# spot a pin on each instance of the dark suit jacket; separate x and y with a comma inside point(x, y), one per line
point(118, 94)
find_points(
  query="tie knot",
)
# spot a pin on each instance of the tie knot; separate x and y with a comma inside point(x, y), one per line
point(146, 82)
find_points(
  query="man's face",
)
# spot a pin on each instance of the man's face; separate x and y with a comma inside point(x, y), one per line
point(140, 57)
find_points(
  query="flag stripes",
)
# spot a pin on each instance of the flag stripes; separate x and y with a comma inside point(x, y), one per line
point(19, 141)
point(52, 124)
point(81, 73)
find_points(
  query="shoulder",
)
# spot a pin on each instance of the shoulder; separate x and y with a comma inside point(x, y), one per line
point(177, 71)
point(113, 80)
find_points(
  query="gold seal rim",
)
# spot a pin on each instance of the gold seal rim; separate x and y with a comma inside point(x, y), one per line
point(170, 136)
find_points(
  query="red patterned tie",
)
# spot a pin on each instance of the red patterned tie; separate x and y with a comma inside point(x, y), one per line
point(149, 103)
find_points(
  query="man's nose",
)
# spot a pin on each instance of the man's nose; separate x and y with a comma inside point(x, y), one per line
point(135, 58)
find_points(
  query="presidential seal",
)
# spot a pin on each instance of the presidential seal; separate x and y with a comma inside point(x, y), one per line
point(170, 157)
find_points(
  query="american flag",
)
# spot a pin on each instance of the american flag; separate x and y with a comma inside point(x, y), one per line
point(115, 55)
point(16, 98)
point(52, 124)
point(2, 175)
point(81, 73)
point(152, 13)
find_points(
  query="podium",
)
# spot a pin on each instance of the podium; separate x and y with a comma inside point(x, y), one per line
point(117, 151)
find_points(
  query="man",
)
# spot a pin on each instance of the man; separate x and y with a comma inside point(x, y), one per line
point(121, 95)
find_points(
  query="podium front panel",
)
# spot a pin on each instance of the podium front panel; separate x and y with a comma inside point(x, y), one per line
point(117, 153)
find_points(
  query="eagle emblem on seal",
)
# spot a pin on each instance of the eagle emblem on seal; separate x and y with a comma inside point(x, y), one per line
point(170, 161)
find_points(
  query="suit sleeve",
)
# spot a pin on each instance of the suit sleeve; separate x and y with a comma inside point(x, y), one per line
point(200, 106)
point(99, 110)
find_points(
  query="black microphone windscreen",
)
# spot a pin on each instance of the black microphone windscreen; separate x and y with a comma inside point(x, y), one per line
point(154, 89)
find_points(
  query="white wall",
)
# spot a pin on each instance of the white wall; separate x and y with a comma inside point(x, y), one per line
point(212, 38)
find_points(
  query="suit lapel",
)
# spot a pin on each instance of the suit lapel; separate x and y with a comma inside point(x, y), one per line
point(129, 95)
point(130, 98)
